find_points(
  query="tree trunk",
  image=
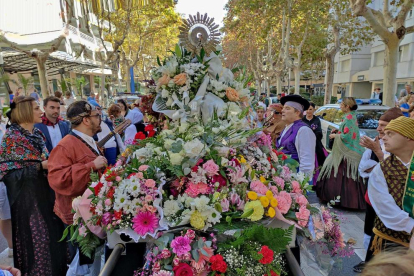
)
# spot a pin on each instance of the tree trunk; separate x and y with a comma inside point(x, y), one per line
point(329, 77)
point(41, 68)
point(390, 72)
point(259, 87)
point(278, 84)
point(296, 71)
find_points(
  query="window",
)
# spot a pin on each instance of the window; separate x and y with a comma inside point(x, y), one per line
point(338, 117)
point(319, 112)
point(336, 67)
point(345, 65)
point(368, 119)
point(329, 114)
point(379, 58)
point(403, 53)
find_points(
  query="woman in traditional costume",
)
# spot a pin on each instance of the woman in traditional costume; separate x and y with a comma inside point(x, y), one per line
point(36, 230)
point(339, 175)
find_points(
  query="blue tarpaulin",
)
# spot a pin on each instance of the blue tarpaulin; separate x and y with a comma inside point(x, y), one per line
point(132, 84)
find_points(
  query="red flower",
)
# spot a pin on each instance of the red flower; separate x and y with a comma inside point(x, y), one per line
point(98, 222)
point(218, 264)
point(110, 193)
point(97, 188)
point(220, 179)
point(349, 116)
point(284, 157)
point(339, 132)
point(354, 135)
point(346, 130)
point(149, 127)
point(272, 273)
point(183, 269)
point(151, 133)
point(267, 255)
point(117, 215)
point(195, 168)
point(140, 136)
point(92, 210)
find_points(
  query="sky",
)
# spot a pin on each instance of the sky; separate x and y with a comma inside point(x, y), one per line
point(214, 8)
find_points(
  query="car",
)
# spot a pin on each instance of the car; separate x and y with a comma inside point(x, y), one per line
point(128, 98)
point(367, 116)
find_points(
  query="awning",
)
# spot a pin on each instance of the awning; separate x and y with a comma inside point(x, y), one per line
point(57, 62)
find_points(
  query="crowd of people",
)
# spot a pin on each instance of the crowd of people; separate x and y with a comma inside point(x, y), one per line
point(46, 161)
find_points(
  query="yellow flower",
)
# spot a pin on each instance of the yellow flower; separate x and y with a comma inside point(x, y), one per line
point(264, 200)
point(269, 194)
point(258, 210)
point(252, 195)
point(242, 160)
point(262, 179)
point(273, 202)
point(271, 212)
point(197, 220)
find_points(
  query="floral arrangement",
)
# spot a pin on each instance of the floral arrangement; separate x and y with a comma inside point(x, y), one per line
point(333, 237)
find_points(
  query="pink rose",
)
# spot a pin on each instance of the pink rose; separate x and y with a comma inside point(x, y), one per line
point(143, 168)
point(165, 253)
point(190, 234)
point(193, 190)
point(279, 182)
point(118, 178)
point(303, 216)
point(211, 168)
point(258, 187)
point(108, 202)
point(150, 183)
point(140, 175)
point(284, 202)
point(148, 198)
point(296, 187)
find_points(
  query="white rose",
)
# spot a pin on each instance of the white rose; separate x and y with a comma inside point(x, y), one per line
point(169, 102)
point(194, 148)
point(224, 161)
point(233, 108)
point(216, 130)
point(168, 143)
point(175, 158)
point(165, 93)
point(183, 127)
point(223, 151)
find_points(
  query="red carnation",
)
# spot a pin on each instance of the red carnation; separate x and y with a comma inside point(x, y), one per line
point(98, 188)
point(272, 273)
point(267, 255)
point(140, 136)
point(149, 127)
point(151, 133)
point(195, 168)
point(183, 269)
point(218, 264)
point(284, 157)
point(110, 193)
point(117, 215)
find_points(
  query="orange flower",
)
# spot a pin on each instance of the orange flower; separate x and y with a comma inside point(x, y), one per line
point(164, 80)
point(180, 79)
point(232, 94)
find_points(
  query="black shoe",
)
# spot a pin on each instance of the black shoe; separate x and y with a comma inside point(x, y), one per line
point(359, 267)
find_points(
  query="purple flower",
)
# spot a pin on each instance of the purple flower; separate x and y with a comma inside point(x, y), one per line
point(106, 218)
point(225, 205)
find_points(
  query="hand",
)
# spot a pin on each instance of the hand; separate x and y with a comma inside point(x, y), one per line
point(372, 144)
point(100, 162)
point(332, 136)
point(369, 170)
point(12, 270)
point(44, 165)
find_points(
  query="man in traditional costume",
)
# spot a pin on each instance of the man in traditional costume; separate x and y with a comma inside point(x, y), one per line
point(297, 139)
point(390, 194)
point(375, 152)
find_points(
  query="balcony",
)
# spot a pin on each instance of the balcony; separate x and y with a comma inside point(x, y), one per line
point(93, 44)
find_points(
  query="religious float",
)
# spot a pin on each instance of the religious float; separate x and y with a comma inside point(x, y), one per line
point(206, 196)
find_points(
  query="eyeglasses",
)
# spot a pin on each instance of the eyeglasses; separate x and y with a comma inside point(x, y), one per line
point(96, 115)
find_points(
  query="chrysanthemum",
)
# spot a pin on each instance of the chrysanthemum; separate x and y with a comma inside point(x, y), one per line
point(145, 222)
point(258, 210)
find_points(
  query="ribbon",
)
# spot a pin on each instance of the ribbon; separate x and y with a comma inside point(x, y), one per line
point(408, 198)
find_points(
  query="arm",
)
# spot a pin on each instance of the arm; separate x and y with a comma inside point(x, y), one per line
point(405, 107)
point(305, 143)
point(366, 164)
point(65, 176)
point(318, 130)
point(384, 204)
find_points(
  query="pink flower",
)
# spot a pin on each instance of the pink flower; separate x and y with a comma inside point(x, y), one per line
point(148, 198)
point(225, 204)
point(193, 190)
point(190, 234)
point(140, 175)
point(279, 182)
point(156, 267)
point(176, 261)
point(240, 205)
point(144, 222)
point(211, 168)
point(234, 198)
point(106, 218)
point(143, 168)
point(150, 183)
point(118, 178)
point(82, 231)
point(285, 174)
point(303, 216)
point(274, 190)
point(258, 187)
point(296, 187)
point(109, 184)
point(284, 202)
point(165, 253)
point(181, 245)
point(301, 200)
point(108, 202)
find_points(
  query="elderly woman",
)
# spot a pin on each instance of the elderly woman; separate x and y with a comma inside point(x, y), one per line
point(274, 124)
point(339, 175)
point(35, 228)
point(260, 111)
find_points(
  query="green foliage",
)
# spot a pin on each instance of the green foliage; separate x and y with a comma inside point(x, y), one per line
point(318, 100)
point(275, 238)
